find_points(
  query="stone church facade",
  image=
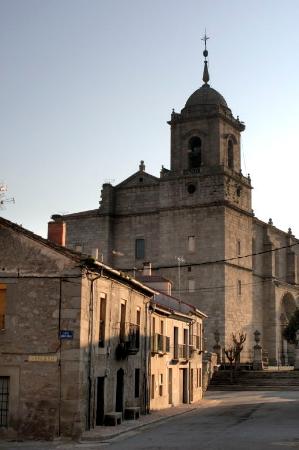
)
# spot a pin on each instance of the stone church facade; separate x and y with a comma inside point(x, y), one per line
point(196, 226)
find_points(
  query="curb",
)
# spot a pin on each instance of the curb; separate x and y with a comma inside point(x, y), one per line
point(133, 428)
point(238, 387)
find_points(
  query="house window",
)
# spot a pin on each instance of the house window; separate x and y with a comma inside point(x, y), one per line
point(154, 326)
point(198, 380)
point(239, 287)
point(122, 325)
point(102, 317)
point(4, 397)
point(195, 153)
point(175, 343)
point(191, 285)
point(161, 327)
point(186, 342)
point(138, 315)
point(139, 248)
point(191, 244)
point(2, 306)
point(161, 385)
point(230, 154)
point(238, 247)
point(153, 387)
point(137, 382)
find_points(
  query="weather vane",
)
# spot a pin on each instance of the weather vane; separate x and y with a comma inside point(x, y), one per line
point(205, 38)
point(206, 76)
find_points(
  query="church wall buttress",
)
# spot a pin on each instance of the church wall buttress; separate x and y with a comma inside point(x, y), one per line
point(238, 278)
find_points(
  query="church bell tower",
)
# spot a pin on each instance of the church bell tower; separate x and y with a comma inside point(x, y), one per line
point(215, 202)
point(206, 139)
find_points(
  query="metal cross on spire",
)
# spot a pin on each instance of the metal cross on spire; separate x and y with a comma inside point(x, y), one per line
point(205, 38)
point(205, 76)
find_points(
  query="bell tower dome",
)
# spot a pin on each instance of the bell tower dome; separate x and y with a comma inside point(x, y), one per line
point(205, 135)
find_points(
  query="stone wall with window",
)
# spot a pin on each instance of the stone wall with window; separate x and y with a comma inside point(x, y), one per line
point(176, 354)
point(65, 346)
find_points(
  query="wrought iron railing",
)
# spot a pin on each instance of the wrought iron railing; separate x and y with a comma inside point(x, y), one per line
point(195, 342)
point(160, 343)
point(183, 351)
point(133, 338)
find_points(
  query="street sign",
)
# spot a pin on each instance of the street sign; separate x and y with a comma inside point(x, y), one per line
point(42, 358)
point(66, 334)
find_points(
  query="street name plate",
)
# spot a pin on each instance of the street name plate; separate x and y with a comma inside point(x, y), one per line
point(42, 358)
point(66, 334)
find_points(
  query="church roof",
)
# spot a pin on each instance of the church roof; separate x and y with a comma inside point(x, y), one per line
point(206, 95)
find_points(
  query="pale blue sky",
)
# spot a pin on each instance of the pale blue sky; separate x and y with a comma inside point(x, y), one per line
point(86, 88)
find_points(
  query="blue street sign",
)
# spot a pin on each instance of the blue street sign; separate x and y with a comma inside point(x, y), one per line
point(66, 334)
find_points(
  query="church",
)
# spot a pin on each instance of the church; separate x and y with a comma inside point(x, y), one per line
point(195, 225)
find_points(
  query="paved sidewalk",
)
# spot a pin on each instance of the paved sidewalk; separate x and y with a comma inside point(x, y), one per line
point(104, 433)
point(100, 435)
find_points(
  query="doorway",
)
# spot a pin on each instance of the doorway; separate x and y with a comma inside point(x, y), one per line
point(183, 386)
point(100, 401)
point(119, 403)
point(170, 386)
point(191, 384)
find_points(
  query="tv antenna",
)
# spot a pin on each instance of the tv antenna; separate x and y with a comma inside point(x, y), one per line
point(3, 199)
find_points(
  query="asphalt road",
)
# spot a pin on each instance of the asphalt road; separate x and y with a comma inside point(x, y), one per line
point(227, 421)
point(237, 421)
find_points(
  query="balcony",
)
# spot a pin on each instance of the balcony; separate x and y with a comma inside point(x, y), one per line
point(183, 351)
point(129, 340)
point(195, 343)
point(160, 344)
point(133, 339)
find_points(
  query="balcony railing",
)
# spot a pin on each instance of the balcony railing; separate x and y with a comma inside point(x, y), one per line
point(181, 351)
point(195, 342)
point(129, 336)
point(160, 344)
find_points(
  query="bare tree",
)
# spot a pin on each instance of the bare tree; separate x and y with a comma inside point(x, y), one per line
point(233, 352)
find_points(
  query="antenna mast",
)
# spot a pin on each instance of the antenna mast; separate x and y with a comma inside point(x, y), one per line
point(3, 199)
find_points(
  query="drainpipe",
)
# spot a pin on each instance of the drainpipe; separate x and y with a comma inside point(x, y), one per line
point(147, 356)
point(90, 401)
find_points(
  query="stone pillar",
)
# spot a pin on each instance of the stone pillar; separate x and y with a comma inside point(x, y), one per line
point(257, 352)
point(296, 363)
point(217, 347)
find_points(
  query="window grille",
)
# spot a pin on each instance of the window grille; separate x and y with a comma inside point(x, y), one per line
point(4, 397)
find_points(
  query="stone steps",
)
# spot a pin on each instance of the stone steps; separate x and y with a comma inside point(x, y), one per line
point(255, 380)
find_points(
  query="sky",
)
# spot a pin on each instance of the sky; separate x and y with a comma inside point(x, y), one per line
point(87, 87)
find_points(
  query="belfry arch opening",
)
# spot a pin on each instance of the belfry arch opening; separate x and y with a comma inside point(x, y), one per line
point(230, 154)
point(195, 149)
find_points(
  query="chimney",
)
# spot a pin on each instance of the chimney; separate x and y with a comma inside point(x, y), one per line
point(57, 232)
point(95, 253)
point(147, 269)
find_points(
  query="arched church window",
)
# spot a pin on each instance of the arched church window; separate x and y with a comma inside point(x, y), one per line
point(230, 154)
point(195, 153)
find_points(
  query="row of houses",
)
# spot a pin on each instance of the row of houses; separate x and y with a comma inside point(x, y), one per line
point(82, 344)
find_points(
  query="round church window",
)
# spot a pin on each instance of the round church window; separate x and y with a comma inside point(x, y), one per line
point(191, 188)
